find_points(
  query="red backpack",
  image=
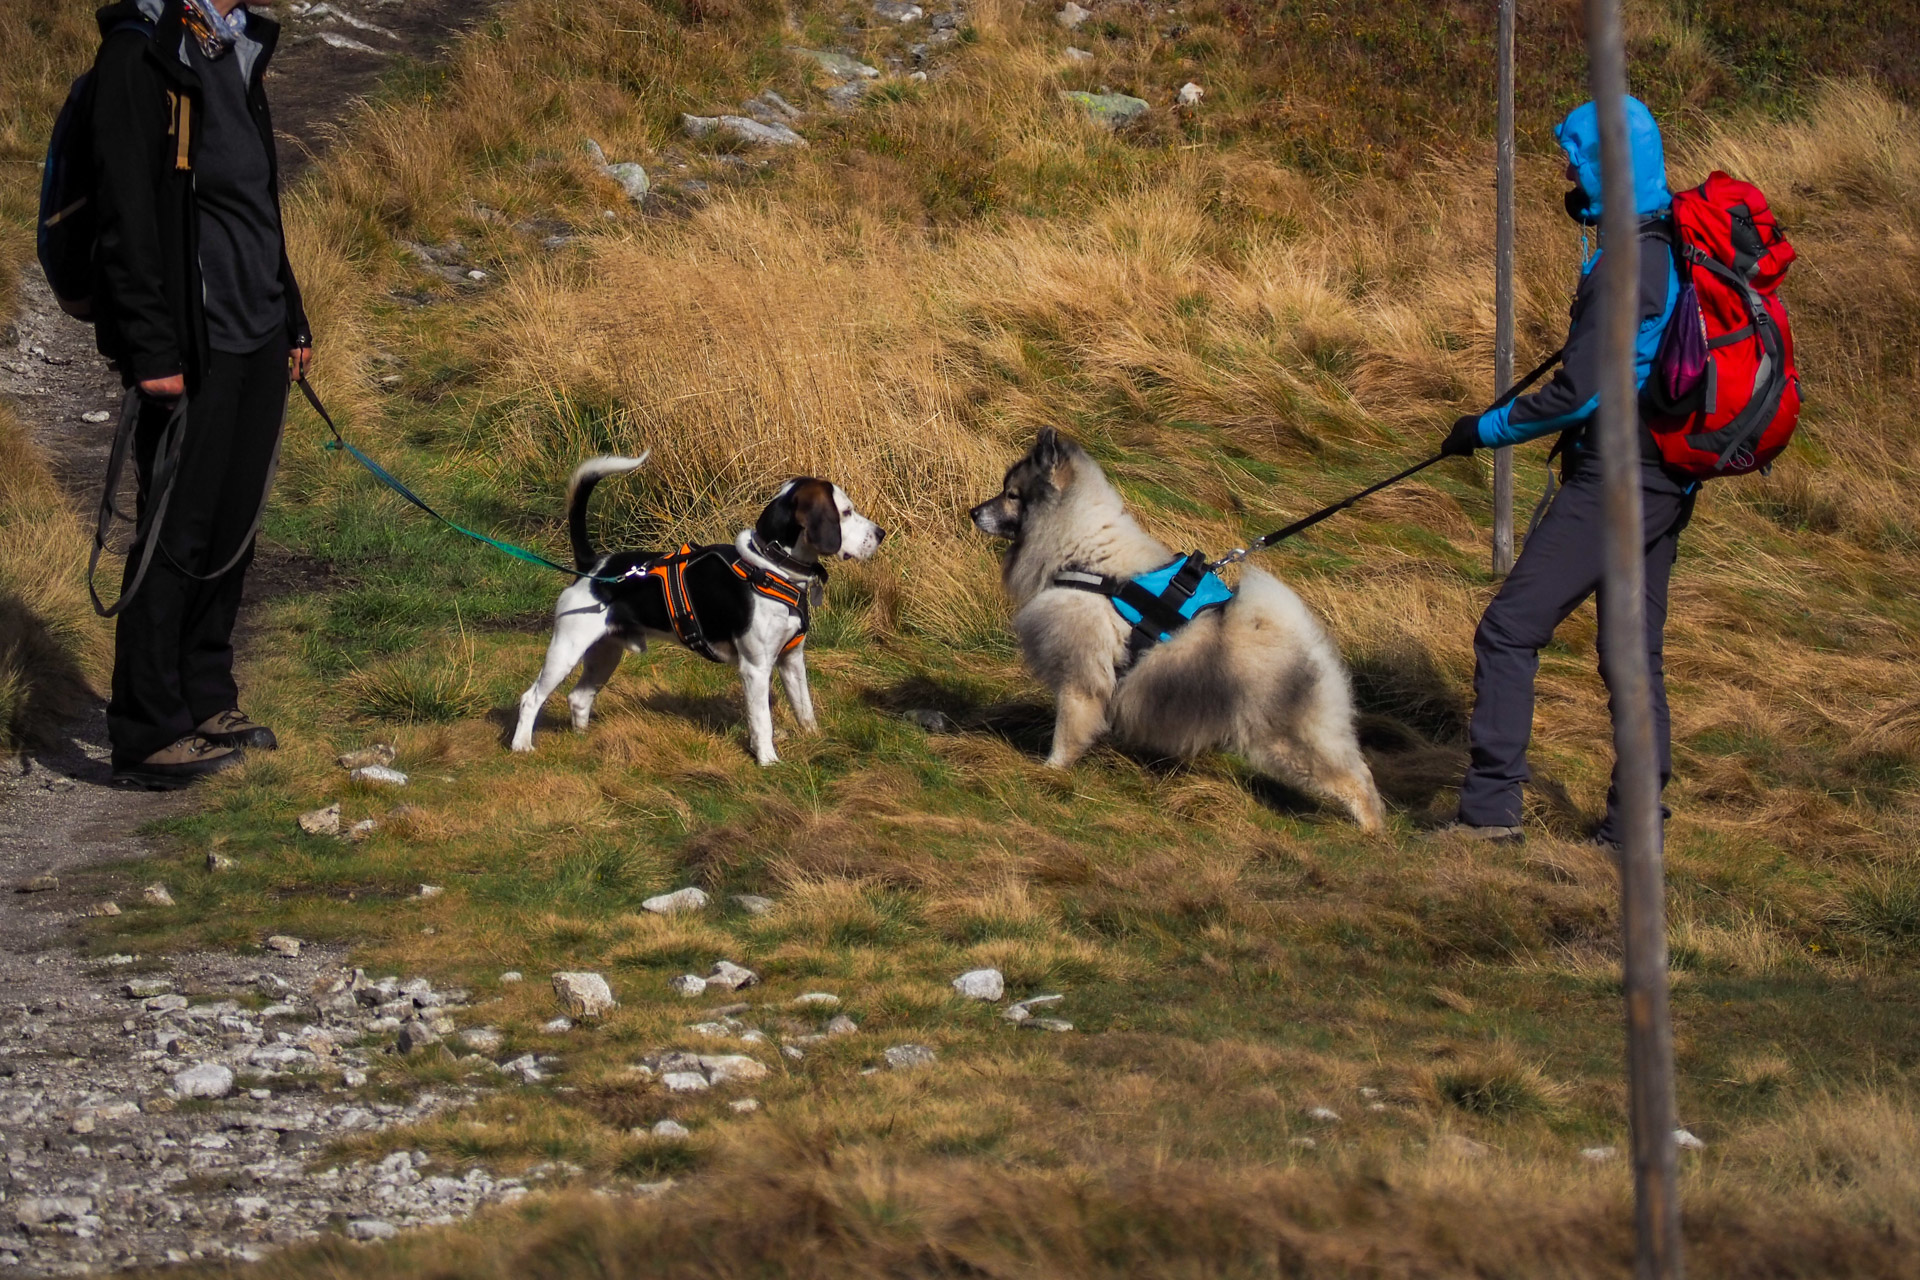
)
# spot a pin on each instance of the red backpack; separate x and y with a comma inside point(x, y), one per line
point(1724, 396)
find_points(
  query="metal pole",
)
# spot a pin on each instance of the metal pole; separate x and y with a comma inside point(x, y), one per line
point(1623, 600)
point(1503, 294)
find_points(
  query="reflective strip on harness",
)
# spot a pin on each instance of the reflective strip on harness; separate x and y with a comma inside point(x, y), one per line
point(672, 572)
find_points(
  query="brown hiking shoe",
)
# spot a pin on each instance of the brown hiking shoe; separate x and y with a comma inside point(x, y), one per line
point(1483, 835)
point(180, 765)
point(231, 728)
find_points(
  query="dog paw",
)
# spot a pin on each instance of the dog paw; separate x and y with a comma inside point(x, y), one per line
point(523, 748)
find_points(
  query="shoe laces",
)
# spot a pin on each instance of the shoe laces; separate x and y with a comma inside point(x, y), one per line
point(231, 718)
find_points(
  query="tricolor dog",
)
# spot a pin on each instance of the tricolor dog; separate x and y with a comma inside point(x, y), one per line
point(1132, 638)
point(747, 604)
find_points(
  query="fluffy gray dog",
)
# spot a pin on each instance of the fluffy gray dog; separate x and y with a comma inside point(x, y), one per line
point(1258, 677)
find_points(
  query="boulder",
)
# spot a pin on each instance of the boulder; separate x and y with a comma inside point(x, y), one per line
point(416, 1035)
point(371, 1229)
point(732, 1068)
point(838, 64)
point(752, 903)
point(585, 995)
point(631, 177)
point(156, 895)
point(672, 1130)
point(322, 822)
point(841, 1025)
point(1190, 94)
point(684, 1081)
point(204, 1080)
point(666, 904)
point(1071, 16)
point(825, 999)
point(689, 985)
point(898, 11)
point(283, 944)
point(981, 984)
point(729, 976)
point(146, 988)
point(379, 775)
point(1112, 109)
point(745, 128)
point(903, 1057)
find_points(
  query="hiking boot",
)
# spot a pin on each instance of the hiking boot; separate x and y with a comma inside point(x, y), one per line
point(180, 765)
point(231, 728)
point(1485, 835)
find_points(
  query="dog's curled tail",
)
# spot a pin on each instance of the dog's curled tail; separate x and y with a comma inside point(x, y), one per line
point(580, 489)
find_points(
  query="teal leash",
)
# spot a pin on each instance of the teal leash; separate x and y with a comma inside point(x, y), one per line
point(339, 444)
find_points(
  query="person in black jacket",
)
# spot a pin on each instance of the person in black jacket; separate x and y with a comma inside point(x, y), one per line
point(195, 302)
point(1562, 562)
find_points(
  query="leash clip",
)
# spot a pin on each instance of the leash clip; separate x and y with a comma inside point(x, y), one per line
point(1234, 556)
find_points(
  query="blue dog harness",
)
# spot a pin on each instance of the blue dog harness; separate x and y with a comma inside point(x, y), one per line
point(1158, 603)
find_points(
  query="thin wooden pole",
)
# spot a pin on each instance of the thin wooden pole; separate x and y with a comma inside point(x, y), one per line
point(1503, 294)
point(1642, 876)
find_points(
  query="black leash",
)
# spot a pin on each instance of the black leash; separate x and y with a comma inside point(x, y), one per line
point(1307, 522)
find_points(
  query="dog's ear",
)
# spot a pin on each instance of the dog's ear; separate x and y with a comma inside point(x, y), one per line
point(819, 515)
point(1053, 455)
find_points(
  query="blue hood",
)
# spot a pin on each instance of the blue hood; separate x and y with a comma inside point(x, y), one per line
point(1579, 137)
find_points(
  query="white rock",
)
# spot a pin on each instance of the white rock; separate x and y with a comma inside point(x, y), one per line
point(1599, 1155)
point(729, 976)
point(371, 1229)
point(898, 11)
point(904, 1056)
point(482, 1040)
point(476, 275)
point(283, 944)
point(204, 1080)
point(379, 775)
point(981, 984)
point(557, 1026)
point(378, 753)
point(1323, 1115)
point(1023, 1010)
point(1046, 1024)
point(525, 1067)
point(1687, 1142)
point(718, 1030)
point(146, 988)
point(732, 1068)
point(672, 1129)
point(429, 891)
point(586, 995)
point(322, 822)
point(40, 1211)
point(841, 1025)
point(416, 1035)
point(510, 977)
point(96, 416)
point(689, 985)
point(826, 998)
point(362, 829)
point(353, 1079)
point(169, 1003)
point(744, 1106)
point(156, 895)
point(632, 177)
point(752, 903)
point(1071, 16)
point(666, 904)
point(743, 128)
point(684, 1082)
point(1190, 94)
point(1078, 55)
point(1461, 1147)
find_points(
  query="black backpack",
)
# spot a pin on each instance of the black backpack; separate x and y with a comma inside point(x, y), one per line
point(67, 229)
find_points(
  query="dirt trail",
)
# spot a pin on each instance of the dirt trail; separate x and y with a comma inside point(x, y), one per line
point(98, 1167)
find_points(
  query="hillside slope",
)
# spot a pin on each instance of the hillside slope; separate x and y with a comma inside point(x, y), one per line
point(1244, 309)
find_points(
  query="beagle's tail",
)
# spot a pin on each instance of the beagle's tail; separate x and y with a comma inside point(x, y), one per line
point(579, 489)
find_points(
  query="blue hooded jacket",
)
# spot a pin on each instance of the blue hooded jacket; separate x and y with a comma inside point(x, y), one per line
point(1572, 398)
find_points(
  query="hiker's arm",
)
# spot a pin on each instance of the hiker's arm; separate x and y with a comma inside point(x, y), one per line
point(1574, 392)
point(129, 134)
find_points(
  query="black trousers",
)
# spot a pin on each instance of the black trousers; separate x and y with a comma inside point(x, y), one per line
point(173, 648)
point(1560, 566)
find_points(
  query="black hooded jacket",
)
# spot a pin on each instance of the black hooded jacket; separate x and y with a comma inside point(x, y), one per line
point(148, 295)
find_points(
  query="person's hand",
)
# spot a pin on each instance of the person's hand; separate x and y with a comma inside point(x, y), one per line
point(1463, 439)
point(168, 388)
point(299, 361)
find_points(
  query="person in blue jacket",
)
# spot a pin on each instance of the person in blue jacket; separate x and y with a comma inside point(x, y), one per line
point(1561, 564)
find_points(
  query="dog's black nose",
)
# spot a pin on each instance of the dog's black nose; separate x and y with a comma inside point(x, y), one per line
point(879, 535)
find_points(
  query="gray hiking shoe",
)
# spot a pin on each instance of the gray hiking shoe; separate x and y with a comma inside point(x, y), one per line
point(233, 728)
point(180, 765)
point(1485, 835)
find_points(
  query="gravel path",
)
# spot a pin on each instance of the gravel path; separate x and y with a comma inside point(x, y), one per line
point(107, 1162)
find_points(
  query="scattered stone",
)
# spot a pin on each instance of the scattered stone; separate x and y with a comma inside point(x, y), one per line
point(733, 1068)
point(1304, 1144)
point(981, 984)
point(557, 1026)
point(416, 1035)
point(729, 976)
point(45, 1211)
point(1685, 1140)
point(1113, 109)
point(948, 21)
point(380, 753)
point(1071, 16)
point(526, 1066)
point(483, 1040)
point(689, 985)
point(322, 822)
point(744, 1106)
point(219, 862)
point(379, 775)
point(371, 1229)
point(362, 829)
point(511, 976)
point(168, 1003)
point(903, 1057)
point(770, 106)
point(1023, 1010)
point(1461, 1147)
point(631, 177)
point(838, 64)
point(1599, 1155)
point(666, 904)
point(684, 1082)
point(108, 908)
point(752, 903)
point(96, 416)
point(1047, 1024)
point(744, 128)
point(898, 11)
point(283, 944)
point(476, 275)
point(156, 895)
point(1323, 1115)
point(146, 988)
point(841, 1025)
point(918, 77)
point(793, 1051)
point(671, 1130)
point(823, 998)
point(40, 884)
point(585, 995)
point(1078, 55)
point(428, 891)
point(1190, 94)
point(931, 721)
point(204, 1080)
